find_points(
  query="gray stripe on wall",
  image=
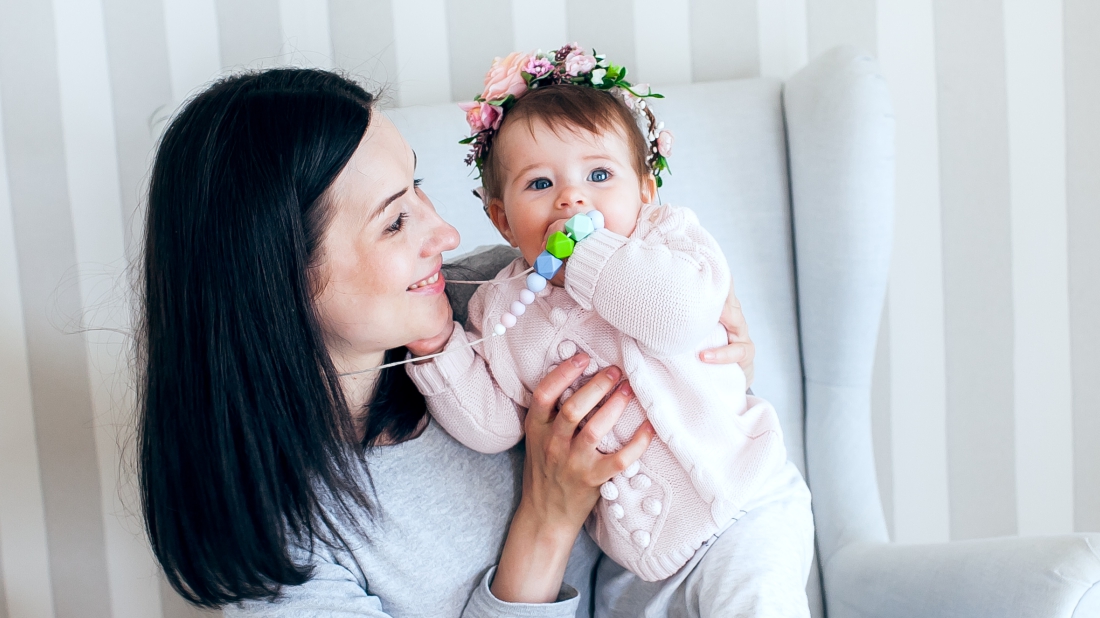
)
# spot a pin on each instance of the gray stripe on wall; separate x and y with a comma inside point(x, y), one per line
point(590, 24)
point(880, 419)
point(141, 92)
point(249, 33)
point(3, 592)
point(724, 40)
point(477, 32)
point(46, 254)
point(362, 40)
point(1082, 66)
point(841, 22)
point(974, 187)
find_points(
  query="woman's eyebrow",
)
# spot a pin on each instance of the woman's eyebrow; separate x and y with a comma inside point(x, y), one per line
point(389, 200)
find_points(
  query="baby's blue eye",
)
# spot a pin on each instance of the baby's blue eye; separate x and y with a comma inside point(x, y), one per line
point(539, 184)
point(599, 176)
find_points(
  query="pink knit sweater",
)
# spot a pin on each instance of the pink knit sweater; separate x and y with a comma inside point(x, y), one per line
point(648, 304)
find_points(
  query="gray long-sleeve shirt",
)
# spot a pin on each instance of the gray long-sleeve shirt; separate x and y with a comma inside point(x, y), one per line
point(443, 513)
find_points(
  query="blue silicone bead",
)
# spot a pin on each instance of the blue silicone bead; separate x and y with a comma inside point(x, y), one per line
point(547, 265)
point(536, 282)
point(597, 219)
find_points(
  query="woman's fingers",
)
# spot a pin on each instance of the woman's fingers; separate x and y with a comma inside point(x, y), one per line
point(587, 397)
point(614, 463)
point(740, 348)
point(601, 422)
point(550, 388)
point(732, 353)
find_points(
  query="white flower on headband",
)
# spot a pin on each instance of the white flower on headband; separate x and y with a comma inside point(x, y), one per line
point(511, 77)
point(578, 63)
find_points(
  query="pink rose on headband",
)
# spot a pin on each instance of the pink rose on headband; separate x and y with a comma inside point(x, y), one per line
point(537, 67)
point(481, 116)
point(664, 143)
point(473, 115)
point(578, 62)
point(505, 77)
point(491, 115)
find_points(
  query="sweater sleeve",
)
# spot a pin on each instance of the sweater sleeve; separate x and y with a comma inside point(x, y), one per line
point(333, 591)
point(484, 605)
point(464, 396)
point(664, 286)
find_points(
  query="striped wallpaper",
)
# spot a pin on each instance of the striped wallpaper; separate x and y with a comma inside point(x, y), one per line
point(987, 379)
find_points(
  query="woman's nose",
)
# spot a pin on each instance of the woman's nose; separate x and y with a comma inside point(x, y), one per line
point(443, 237)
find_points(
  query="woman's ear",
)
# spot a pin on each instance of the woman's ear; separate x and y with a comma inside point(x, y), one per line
point(495, 210)
point(649, 189)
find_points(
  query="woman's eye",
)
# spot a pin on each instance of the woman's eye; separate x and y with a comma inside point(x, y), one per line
point(599, 175)
point(397, 224)
point(539, 184)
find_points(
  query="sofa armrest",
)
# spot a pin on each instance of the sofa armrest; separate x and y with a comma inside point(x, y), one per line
point(1004, 577)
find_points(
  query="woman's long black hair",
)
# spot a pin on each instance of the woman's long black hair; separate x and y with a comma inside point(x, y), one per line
point(245, 441)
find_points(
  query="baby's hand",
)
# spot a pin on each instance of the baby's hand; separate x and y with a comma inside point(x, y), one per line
point(432, 345)
point(556, 226)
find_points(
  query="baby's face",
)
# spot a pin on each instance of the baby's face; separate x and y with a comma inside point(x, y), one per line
point(549, 177)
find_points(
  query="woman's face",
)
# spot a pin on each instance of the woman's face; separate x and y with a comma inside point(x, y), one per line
point(380, 282)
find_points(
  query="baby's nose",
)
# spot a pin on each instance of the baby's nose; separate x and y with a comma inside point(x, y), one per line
point(571, 197)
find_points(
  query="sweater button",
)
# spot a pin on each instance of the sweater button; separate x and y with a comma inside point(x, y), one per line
point(652, 506)
point(617, 510)
point(566, 349)
point(558, 316)
point(609, 491)
point(640, 538)
point(640, 482)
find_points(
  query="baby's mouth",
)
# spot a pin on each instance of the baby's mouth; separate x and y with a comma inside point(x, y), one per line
point(425, 282)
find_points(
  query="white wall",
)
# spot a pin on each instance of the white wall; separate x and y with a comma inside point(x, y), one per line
point(987, 409)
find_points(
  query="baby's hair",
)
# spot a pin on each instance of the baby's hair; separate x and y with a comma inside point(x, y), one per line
point(569, 107)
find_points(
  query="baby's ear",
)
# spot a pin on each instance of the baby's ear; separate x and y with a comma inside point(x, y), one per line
point(495, 210)
point(649, 189)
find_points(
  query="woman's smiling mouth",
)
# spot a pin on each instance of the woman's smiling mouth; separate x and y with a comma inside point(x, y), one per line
point(425, 282)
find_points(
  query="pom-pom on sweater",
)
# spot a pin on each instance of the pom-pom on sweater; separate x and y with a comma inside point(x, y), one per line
point(648, 304)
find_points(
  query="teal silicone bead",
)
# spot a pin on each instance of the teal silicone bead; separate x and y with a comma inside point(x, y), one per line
point(597, 218)
point(579, 227)
point(559, 245)
point(536, 282)
point(546, 265)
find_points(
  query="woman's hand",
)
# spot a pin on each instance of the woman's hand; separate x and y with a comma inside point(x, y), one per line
point(562, 475)
point(740, 348)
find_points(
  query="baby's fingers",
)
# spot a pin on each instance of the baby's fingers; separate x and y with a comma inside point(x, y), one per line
point(614, 463)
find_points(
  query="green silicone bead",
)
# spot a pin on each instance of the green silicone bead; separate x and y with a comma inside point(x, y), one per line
point(559, 245)
point(579, 227)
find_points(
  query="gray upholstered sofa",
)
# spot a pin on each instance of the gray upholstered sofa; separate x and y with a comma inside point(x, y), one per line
point(795, 180)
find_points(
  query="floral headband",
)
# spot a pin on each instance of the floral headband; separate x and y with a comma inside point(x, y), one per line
point(511, 77)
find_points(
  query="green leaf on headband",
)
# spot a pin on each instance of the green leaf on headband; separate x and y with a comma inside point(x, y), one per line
point(659, 182)
point(469, 140)
point(654, 95)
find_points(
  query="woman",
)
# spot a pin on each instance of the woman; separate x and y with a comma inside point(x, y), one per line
point(288, 247)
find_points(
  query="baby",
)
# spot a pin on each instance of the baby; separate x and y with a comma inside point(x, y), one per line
point(643, 291)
